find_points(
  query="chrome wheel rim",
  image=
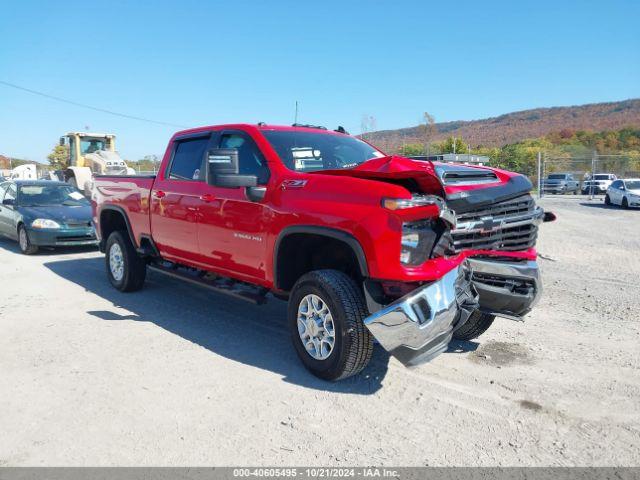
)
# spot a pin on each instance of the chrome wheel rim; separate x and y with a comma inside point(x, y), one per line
point(315, 327)
point(24, 241)
point(116, 262)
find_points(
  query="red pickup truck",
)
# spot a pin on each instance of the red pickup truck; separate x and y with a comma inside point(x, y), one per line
point(363, 245)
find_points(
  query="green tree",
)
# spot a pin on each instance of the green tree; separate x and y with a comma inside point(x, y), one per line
point(409, 149)
point(59, 157)
point(447, 146)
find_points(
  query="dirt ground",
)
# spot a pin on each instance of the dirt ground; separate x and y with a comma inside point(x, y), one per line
point(176, 375)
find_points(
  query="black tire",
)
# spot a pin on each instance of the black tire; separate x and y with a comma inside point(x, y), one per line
point(607, 200)
point(25, 242)
point(353, 344)
point(477, 324)
point(134, 268)
point(625, 203)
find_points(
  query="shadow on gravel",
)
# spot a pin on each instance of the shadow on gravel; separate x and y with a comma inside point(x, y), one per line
point(601, 205)
point(12, 246)
point(243, 332)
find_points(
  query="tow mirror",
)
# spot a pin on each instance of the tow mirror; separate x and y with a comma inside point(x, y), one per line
point(223, 169)
point(62, 141)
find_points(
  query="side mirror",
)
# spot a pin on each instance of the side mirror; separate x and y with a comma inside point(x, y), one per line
point(62, 141)
point(8, 201)
point(223, 169)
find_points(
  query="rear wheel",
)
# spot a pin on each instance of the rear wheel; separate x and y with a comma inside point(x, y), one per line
point(125, 269)
point(326, 321)
point(607, 200)
point(477, 324)
point(25, 244)
point(625, 203)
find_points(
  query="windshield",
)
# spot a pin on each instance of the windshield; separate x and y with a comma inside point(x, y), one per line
point(309, 151)
point(557, 177)
point(632, 184)
point(90, 145)
point(602, 177)
point(42, 195)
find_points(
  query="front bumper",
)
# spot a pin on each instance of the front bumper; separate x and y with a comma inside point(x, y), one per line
point(420, 325)
point(62, 237)
point(506, 289)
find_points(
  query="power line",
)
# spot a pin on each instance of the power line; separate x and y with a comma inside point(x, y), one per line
point(78, 104)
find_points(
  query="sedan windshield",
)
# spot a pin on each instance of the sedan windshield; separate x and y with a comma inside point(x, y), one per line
point(632, 184)
point(305, 151)
point(46, 195)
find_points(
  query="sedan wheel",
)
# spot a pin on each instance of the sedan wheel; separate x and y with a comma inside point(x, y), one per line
point(25, 243)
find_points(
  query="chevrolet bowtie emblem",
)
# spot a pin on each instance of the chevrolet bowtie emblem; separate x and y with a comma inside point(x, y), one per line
point(489, 224)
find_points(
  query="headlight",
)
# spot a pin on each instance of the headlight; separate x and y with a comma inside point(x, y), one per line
point(417, 241)
point(44, 223)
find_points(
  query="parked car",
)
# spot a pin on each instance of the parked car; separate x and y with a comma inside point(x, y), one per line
point(560, 183)
point(39, 213)
point(598, 184)
point(624, 192)
point(362, 245)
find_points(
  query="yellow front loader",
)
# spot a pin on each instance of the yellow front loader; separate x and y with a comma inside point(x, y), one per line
point(92, 154)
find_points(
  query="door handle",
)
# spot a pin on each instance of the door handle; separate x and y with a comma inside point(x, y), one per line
point(207, 197)
point(159, 194)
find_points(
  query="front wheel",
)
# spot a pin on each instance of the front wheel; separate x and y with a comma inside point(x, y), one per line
point(625, 203)
point(125, 269)
point(326, 320)
point(477, 324)
point(25, 244)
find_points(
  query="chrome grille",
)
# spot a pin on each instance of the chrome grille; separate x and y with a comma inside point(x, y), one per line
point(508, 225)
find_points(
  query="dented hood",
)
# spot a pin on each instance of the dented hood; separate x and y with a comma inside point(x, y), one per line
point(465, 187)
point(397, 170)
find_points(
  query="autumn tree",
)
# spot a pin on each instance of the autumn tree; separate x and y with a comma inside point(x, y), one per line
point(428, 130)
point(59, 157)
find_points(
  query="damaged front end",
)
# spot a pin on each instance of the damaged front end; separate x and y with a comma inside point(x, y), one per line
point(420, 325)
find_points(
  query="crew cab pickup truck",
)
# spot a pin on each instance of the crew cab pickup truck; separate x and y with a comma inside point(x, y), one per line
point(560, 183)
point(364, 246)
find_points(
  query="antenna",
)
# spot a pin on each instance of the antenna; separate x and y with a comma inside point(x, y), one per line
point(296, 115)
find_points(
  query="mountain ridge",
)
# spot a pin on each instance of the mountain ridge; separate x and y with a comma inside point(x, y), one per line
point(520, 125)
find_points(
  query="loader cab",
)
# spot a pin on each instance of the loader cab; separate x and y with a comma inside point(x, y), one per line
point(82, 143)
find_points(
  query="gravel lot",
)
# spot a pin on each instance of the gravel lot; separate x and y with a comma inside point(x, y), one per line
point(176, 375)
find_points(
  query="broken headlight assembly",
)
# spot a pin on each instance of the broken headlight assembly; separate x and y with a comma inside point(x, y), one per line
point(417, 241)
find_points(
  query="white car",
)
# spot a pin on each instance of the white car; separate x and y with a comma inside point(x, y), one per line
point(625, 193)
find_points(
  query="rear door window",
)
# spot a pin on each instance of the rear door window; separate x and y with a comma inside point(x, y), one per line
point(188, 159)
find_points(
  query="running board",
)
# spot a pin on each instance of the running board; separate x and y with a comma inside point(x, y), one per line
point(242, 291)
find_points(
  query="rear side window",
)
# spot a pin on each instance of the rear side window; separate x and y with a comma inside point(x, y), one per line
point(187, 160)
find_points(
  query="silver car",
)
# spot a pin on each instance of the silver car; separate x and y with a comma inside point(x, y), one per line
point(624, 192)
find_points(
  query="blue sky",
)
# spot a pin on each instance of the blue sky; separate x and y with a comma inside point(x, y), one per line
point(196, 62)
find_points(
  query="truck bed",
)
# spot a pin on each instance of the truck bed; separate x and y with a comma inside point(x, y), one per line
point(129, 193)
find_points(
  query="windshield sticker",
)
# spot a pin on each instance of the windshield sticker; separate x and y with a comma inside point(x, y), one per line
point(76, 195)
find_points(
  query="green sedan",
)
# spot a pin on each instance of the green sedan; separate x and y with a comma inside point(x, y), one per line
point(45, 214)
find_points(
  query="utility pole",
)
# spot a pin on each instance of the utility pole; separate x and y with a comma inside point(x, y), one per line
point(539, 174)
point(594, 160)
